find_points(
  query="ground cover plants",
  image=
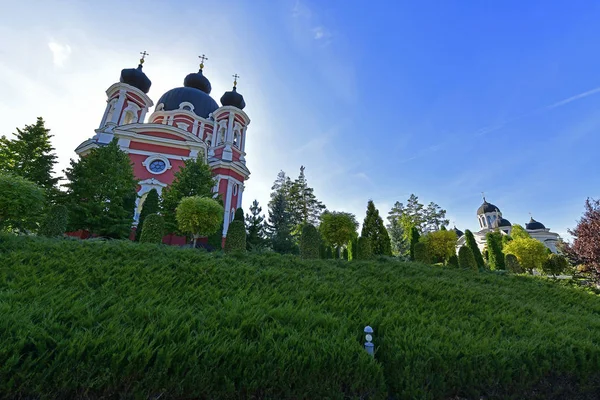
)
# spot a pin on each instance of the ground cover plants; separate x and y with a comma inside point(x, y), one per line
point(117, 319)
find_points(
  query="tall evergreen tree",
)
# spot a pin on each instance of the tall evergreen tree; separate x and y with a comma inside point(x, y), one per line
point(304, 207)
point(279, 226)
point(30, 155)
point(472, 244)
point(434, 218)
point(151, 205)
point(193, 179)
point(494, 244)
point(255, 227)
point(101, 192)
point(374, 229)
point(414, 239)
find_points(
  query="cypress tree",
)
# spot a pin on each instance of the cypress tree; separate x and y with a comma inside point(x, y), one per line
point(494, 244)
point(155, 229)
point(309, 242)
point(466, 259)
point(472, 244)
point(414, 239)
point(374, 229)
point(363, 249)
point(236, 237)
point(239, 215)
point(280, 225)
point(151, 205)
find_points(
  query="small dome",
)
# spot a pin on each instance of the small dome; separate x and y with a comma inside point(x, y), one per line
point(203, 104)
point(487, 208)
point(233, 98)
point(197, 81)
point(458, 232)
point(501, 222)
point(534, 225)
point(136, 78)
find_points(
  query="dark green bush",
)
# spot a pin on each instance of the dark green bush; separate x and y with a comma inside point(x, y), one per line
point(472, 244)
point(151, 205)
point(236, 237)
point(512, 264)
point(363, 249)
point(555, 265)
point(466, 259)
point(420, 253)
point(55, 222)
point(154, 229)
point(239, 215)
point(328, 253)
point(495, 255)
point(452, 261)
point(309, 242)
point(345, 254)
point(90, 320)
point(21, 203)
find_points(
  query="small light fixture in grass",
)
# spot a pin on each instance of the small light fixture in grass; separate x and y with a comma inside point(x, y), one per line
point(369, 346)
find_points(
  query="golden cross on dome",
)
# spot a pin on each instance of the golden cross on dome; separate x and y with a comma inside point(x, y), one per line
point(235, 78)
point(202, 59)
point(144, 54)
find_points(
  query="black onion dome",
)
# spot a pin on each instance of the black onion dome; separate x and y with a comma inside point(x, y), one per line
point(233, 98)
point(501, 222)
point(136, 78)
point(203, 104)
point(487, 208)
point(458, 232)
point(198, 81)
point(533, 225)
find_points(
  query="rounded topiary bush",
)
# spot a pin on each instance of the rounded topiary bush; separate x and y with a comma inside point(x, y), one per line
point(239, 215)
point(452, 261)
point(236, 237)
point(154, 229)
point(466, 259)
point(421, 254)
point(363, 248)
point(55, 222)
point(512, 264)
point(310, 241)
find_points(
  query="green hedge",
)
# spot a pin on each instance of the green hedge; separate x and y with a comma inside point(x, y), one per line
point(89, 320)
point(154, 229)
point(236, 237)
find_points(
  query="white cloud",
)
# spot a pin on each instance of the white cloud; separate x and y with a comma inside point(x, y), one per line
point(60, 53)
point(573, 98)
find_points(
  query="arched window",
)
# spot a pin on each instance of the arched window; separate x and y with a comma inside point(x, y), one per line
point(129, 117)
point(111, 111)
point(222, 136)
point(235, 139)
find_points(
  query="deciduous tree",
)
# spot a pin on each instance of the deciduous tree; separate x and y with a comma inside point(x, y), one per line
point(585, 249)
point(531, 253)
point(338, 228)
point(440, 245)
point(21, 203)
point(199, 216)
point(517, 232)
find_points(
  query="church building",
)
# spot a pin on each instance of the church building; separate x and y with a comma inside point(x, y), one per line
point(490, 219)
point(186, 123)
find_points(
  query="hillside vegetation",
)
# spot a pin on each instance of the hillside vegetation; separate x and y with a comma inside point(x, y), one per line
point(119, 319)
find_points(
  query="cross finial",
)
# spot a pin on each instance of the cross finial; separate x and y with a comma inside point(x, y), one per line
point(235, 78)
point(483, 195)
point(144, 54)
point(202, 59)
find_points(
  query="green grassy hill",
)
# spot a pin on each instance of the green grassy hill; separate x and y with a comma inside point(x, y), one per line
point(124, 320)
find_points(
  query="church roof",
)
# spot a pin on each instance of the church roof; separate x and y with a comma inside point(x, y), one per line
point(136, 78)
point(487, 208)
point(458, 232)
point(501, 222)
point(196, 91)
point(233, 98)
point(534, 225)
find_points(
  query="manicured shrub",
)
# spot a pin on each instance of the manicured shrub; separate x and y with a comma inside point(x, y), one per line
point(154, 229)
point(555, 264)
point(512, 264)
point(199, 216)
point(421, 254)
point(495, 255)
point(239, 215)
point(363, 248)
point(309, 242)
point(345, 254)
point(472, 244)
point(236, 237)
point(151, 205)
point(55, 221)
point(452, 261)
point(352, 248)
point(466, 259)
point(21, 203)
point(414, 239)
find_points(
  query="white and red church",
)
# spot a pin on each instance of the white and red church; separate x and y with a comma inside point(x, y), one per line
point(186, 123)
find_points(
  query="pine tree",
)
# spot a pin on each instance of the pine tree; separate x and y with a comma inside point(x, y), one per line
point(303, 204)
point(30, 155)
point(472, 244)
point(434, 218)
point(280, 225)
point(374, 229)
point(150, 205)
point(255, 224)
point(101, 192)
point(193, 179)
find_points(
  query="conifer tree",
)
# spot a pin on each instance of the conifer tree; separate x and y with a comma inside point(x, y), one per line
point(193, 179)
point(374, 229)
point(414, 239)
point(304, 207)
point(280, 225)
point(472, 244)
point(150, 206)
point(101, 192)
point(30, 155)
point(239, 214)
point(255, 227)
point(494, 244)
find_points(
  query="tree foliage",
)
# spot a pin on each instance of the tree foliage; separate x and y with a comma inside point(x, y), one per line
point(585, 249)
point(414, 239)
point(363, 249)
point(472, 244)
point(279, 225)
point(440, 245)
point(512, 264)
point(374, 229)
point(304, 207)
point(310, 241)
point(531, 253)
point(466, 259)
point(55, 221)
point(236, 237)
point(518, 232)
point(151, 205)
point(495, 255)
point(101, 192)
point(239, 214)
point(193, 179)
point(555, 264)
point(338, 228)
point(255, 227)
point(30, 155)
point(154, 229)
point(21, 203)
point(421, 254)
point(199, 216)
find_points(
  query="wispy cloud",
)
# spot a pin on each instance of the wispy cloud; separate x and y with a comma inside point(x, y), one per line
point(573, 98)
point(60, 53)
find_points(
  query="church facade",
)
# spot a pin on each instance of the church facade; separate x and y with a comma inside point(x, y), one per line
point(490, 219)
point(186, 123)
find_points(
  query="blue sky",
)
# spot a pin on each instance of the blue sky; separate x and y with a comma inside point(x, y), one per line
point(377, 100)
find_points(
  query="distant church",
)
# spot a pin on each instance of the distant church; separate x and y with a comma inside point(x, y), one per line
point(186, 123)
point(490, 219)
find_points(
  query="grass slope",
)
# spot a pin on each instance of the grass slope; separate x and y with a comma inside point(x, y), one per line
point(126, 320)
